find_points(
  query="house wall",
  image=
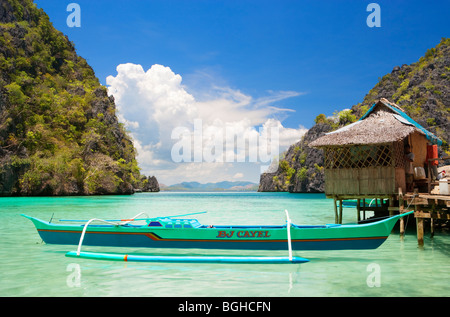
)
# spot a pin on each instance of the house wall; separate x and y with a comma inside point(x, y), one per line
point(400, 179)
point(418, 144)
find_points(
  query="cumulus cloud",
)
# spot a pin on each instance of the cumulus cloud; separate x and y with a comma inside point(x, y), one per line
point(155, 105)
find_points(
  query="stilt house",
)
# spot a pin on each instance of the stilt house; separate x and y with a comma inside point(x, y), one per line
point(366, 159)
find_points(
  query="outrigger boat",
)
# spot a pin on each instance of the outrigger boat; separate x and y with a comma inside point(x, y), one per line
point(170, 232)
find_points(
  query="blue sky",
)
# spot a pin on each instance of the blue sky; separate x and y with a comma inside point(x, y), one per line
point(309, 57)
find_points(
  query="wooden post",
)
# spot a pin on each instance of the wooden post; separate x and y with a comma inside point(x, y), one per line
point(432, 227)
point(364, 209)
point(419, 222)
point(340, 211)
point(433, 209)
point(391, 204)
point(335, 210)
point(358, 209)
point(400, 210)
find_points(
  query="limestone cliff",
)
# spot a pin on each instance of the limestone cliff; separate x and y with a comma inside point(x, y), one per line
point(59, 133)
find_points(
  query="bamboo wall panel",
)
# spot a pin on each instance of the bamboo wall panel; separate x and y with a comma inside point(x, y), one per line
point(365, 181)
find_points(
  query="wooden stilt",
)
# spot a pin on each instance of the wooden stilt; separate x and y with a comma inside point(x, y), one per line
point(391, 204)
point(400, 209)
point(358, 209)
point(335, 211)
point(340, 211)
point(419, 222)
point(433, 209)
point(364, 209)
point(432, 227)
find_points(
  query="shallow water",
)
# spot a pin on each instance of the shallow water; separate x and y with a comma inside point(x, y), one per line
point(31, 268)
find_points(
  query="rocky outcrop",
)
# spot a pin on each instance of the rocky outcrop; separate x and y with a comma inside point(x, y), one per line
point(150, 184)
point(301, 169)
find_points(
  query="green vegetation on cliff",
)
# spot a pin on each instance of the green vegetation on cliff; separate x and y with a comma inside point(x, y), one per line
point(59, 134)
point(422, 89)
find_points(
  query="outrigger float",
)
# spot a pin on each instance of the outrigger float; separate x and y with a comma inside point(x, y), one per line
point(170, 232)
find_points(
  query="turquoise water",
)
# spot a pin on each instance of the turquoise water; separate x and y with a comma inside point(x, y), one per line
point(31, 268)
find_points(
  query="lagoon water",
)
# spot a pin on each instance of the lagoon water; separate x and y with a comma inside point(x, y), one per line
point(31, 268)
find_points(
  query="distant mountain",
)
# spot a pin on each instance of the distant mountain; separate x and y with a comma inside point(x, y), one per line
point(219, 186)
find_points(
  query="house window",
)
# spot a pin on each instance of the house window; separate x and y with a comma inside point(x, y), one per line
point(358, 156)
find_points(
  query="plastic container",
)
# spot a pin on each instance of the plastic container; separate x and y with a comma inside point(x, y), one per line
point(444, 187)
point(419, 173)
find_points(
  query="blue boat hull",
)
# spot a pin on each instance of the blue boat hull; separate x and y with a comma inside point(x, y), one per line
point(146, 241)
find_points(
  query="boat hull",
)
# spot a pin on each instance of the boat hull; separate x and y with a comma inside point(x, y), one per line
point(153, 241)
point(328, 237)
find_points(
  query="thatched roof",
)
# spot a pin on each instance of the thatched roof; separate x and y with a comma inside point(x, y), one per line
point(385, 122)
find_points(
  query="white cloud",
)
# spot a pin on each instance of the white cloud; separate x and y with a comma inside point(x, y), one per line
point(153, 103)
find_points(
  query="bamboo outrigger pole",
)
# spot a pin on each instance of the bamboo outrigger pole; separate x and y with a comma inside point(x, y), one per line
point(288, 227)
point(134, 218)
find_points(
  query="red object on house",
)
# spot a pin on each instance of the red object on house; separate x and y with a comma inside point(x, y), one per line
point(432, 152)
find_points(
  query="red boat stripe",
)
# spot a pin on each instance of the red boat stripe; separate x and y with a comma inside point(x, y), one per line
point(157, 238)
